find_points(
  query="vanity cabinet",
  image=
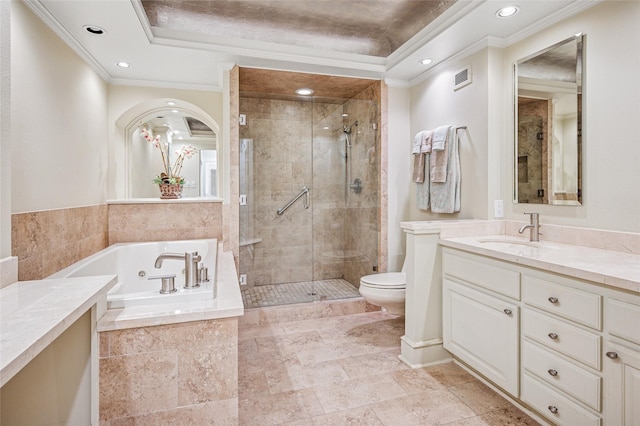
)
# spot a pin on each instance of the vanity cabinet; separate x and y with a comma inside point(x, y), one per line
point(622, 362)
point(568, 349)
point(481, 324)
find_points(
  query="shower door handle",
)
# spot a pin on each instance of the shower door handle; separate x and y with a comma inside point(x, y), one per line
point(305, 192)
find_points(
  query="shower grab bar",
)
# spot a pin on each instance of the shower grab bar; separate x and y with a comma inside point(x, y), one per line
point(305, 192)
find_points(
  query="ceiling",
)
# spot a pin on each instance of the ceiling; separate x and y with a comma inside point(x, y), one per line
point(188, 44)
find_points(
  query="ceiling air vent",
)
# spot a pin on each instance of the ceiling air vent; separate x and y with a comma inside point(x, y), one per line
point(462, 78)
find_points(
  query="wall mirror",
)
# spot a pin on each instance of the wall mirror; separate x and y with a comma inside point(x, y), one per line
point(548, 91)
point(176, 128)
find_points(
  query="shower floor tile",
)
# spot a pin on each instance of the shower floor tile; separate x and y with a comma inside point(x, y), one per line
point(290, 293)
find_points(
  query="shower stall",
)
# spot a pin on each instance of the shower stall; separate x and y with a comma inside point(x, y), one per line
point(309, 196)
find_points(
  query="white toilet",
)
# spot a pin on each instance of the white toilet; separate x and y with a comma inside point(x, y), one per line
point(387, 290)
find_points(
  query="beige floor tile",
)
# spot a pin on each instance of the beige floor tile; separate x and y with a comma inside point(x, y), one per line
point(450, 374)
point(300, 377)
point(252, 385)
point(417, 381)
point(358, 392)
point(289, 343)
point(279, 408)
point(509, 416)
point(363, 416)
point(373, 364)
point(260, 331)
point(479, 397)
point(436, 407)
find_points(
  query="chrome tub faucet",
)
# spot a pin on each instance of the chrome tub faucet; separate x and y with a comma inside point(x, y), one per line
point(191, 260)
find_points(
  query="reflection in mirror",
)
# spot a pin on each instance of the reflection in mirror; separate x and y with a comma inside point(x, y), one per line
point(548, 128)
point(176, 129)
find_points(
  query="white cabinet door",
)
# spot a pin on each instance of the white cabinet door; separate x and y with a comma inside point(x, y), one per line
point(482, 331)
point(622, 385)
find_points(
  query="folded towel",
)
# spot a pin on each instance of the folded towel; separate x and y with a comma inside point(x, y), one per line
point(417, 142)
point(427, 138)
point(439, 138)
point(418, 168)
point(439, 161)
point(445, 196)
point(422, 190)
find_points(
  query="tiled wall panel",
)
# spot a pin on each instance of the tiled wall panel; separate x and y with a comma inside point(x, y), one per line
point(48, 241)
point(147, 377)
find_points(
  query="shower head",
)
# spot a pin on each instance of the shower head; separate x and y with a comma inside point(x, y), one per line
point(347, 129)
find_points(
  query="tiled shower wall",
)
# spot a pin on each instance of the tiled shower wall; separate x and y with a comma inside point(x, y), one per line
point(297, 144)
point(532, 151)
point(48, 241)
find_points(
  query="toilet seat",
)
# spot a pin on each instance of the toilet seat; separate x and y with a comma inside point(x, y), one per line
point(385, 280)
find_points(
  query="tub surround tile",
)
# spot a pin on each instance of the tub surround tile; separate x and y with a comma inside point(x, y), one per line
point(50, 240)
point(214, 413)
point(129, 222)
point(167, 371)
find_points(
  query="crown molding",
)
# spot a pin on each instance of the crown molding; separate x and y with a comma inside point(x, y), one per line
point(164, 85)
point(564, 13)
point(45, 16)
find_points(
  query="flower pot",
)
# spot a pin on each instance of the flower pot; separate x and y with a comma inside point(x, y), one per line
point(170, 191)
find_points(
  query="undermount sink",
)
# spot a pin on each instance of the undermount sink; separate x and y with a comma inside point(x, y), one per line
point(509, 242)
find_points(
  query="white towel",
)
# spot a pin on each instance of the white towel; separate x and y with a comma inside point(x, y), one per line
point(439, 138)
point(445, 196)
point(417, 142)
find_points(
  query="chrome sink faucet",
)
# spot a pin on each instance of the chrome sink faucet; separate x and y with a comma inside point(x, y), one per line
point(191, 260)
point(534, 227)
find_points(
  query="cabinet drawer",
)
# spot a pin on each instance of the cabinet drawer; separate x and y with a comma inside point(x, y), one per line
point(577, 305)
point(623, 320)
point(555, 406)
point(578, 344)
point(483, 272)
point(574, 380)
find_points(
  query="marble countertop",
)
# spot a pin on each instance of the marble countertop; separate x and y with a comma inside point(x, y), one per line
point(226, 304)
point(34, 313)
point(606, 267)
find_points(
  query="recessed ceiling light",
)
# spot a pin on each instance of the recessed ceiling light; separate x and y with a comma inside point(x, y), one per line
point(93, 29)
point(170, 103)
point(344, 114)
point(304, 91)
point(507, 11)
point(123, 64)
point(425, 61)
point(175, 111)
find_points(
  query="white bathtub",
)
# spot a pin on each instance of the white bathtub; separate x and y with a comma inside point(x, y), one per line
point(134, 264)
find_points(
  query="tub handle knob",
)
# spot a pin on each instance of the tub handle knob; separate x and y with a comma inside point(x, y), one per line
point(168, 283)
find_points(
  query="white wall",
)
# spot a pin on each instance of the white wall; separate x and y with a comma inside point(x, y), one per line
point(611, 128)
point(58, 121)
point(5, 135)
point(435, 103)
point(398, 172)
point(123, 98)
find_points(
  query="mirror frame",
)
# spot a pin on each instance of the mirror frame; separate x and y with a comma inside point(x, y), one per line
point(139, 119)
point(580, 53)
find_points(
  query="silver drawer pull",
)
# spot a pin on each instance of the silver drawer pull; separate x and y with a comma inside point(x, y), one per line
point(553, 299)
point(553, 409)
point(508, 311)
point(553, 336)
point(612, 355)
point(552, 372)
